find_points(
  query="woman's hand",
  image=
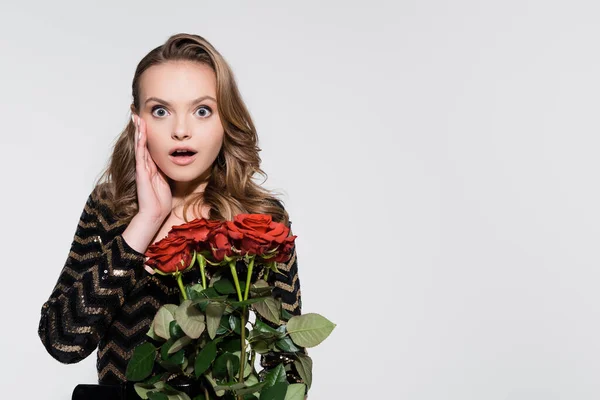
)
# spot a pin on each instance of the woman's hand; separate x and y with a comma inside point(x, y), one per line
point(153, 191)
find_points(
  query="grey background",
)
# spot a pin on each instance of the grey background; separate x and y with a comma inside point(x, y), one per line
point(439, 161)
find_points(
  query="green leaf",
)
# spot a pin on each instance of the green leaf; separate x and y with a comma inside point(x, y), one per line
point(155, 380)
point(269, 309)
point(310, 329)
point(190, 319)
point(210, 293)
point(224, 286)
point(165, 352)
point(238, 304)
point(180, 344)
point(174, 394)
point(231, 345)
point(235, 324)
point(295, 391)
point(209, 377)
point(231, 386)
point(285, 315)
point(286, 344)
point(275, 375)
point(205, 358)
point(261, 288)
point(175, 330)
point(171, 308)
point(161, 322)
point(141, 362)
point(203, 302)
point(304, 367)
point(261, 346)
point(157, 396)
point(164, 349)
point(258, 336)
point(178, 358)
point(275, 392)
point(247, 367)
point(223, 325)
point(194, 291)
point(249, 389)
point(252, 379)
point(262, 327)
point(224, 364)
point(153, 335)
point(142, 389)
point(214, 311)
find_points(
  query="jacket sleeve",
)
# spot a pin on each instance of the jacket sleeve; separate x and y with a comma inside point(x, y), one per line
point(100, 271)
point(287, 288)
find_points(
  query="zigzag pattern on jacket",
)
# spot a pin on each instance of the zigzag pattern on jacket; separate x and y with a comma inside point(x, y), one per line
point(105, 299)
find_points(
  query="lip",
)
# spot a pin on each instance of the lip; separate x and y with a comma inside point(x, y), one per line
point(186, 148)
point(181, 160)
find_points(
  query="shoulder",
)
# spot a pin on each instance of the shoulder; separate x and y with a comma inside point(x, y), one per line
point(99, 202)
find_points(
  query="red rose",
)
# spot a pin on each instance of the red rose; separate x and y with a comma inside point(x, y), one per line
point(220, 243)
point(284, 253)
point(257, 233)
point(196, 230)
point(167, 254)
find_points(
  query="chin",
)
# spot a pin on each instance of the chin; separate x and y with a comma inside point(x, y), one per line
point(185, 177)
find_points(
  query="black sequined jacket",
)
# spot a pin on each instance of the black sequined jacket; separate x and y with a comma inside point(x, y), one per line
point(105, 299)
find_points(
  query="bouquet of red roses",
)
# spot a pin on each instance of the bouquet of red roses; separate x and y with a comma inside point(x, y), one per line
point(210, 336)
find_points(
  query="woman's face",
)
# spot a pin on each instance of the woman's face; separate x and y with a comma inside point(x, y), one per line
point(178, 103)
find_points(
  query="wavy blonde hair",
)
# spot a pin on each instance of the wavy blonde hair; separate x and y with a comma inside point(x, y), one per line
point(230, 189)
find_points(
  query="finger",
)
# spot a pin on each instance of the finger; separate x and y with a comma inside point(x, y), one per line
point(134, 133)
point(147, 159)
point(149, 269)
point(144, 147)
point(138, 153)
point(142, 140)
point(151, 163)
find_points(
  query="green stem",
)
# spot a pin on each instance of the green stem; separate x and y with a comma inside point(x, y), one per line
point(266, 275)
point(235, 279)
point(180, 283)
point(243, 341)
point(202, 262)
point(250, 266)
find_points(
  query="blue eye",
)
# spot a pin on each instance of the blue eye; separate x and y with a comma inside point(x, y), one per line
point(157, 108)
point(206, 108)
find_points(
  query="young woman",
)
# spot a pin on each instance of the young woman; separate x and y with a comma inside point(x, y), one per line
point(190, 151)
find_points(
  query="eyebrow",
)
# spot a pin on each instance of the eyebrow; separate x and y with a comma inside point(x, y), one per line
point(198, 100)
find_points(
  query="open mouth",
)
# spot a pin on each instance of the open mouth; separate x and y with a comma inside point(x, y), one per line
point(186, 153)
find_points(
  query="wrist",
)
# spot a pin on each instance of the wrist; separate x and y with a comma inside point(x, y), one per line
point(150, 220)
point(140, 232)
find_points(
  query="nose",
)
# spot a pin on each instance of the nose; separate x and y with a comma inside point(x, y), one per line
point(181, 130)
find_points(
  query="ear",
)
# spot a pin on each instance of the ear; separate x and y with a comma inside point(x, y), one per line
point(132, 108)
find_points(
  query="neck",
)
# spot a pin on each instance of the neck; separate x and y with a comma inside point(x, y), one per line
point(181, 190)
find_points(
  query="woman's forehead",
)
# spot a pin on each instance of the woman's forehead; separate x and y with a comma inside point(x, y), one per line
point(178, 82)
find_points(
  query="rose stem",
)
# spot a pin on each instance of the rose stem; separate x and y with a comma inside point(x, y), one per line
point(243, 342)
point(180, 283)
point(250, 266)
point(202, 262)
point(235, 279)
